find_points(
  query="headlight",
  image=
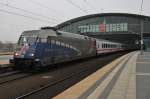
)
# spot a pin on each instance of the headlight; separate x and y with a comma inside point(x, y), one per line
point(16, 54)
point(37, 60)
point(31, 54)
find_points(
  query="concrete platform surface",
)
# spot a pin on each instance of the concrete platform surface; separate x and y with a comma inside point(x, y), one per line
point(143, 76)
point(127, 77)
point(4, 60)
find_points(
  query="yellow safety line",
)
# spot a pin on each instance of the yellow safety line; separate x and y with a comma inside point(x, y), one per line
point(78, 89)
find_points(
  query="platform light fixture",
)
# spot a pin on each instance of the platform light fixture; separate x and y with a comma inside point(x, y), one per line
point(141, 28)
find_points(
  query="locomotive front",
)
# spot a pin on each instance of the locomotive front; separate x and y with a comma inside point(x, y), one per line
point(24, 54)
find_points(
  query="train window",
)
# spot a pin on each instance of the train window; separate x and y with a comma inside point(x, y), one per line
point(38, 39)
point(48, 39)
point(60, 43)
point(85, 37)
point(53, 41)
point(102, 45)
point(44, 40)
point(57, 42)
point(65, 45)
point(59, 33)
point(113, 46)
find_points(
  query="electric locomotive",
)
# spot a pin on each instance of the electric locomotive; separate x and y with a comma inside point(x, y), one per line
point(40, 48)
point(47, 46)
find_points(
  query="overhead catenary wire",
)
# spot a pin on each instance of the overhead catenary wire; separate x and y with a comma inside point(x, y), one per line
point(75, 5)
point(141, 8)
point(22, 15)
point(33, 13)
point(37, 3)
point(142, 38)
point(43, 6)
point(91, 6)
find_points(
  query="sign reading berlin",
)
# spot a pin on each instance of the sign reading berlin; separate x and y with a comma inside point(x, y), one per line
point(102, 28)
point(119, 27)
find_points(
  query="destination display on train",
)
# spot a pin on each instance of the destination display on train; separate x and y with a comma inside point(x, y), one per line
point(104, 28)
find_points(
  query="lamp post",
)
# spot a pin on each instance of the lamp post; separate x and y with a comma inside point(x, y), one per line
point(141, 28)
point(141, 37)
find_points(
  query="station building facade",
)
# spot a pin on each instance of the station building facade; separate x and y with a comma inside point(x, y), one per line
point(118, 27)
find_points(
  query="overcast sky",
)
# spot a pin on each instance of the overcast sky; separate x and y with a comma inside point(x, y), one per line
point(52, 12)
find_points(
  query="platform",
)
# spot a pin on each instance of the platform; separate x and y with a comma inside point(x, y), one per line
point(4, 60)
point(127, 77)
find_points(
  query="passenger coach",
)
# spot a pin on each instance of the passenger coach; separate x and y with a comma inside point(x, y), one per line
point(40, 48)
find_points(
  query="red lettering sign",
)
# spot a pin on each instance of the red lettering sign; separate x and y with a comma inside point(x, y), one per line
point(102, 28)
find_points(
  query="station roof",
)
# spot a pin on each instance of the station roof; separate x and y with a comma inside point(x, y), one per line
point(100, 15)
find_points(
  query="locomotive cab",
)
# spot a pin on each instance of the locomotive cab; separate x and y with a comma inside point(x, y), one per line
point(25, 50)
point(30, 48)
point(25, 47)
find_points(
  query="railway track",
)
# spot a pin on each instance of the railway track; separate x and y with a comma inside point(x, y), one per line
point(38, 85)
point(2, 75)
point(51, 84)
point(6, 69)
point(74, 74)
point(12, 76)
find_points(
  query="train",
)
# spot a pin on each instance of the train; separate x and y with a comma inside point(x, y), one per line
point(47, 46)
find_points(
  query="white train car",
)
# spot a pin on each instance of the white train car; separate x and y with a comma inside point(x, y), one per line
point(104, 46)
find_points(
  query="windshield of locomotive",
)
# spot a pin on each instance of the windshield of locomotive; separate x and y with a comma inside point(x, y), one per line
point(24, 39)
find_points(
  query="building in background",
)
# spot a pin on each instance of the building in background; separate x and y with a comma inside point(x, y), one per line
point(118, 27)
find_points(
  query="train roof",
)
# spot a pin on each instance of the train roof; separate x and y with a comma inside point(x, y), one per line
point(103, 40)
point(40, 33)
point(44, 33)
point(30, 32)
point(72, 35)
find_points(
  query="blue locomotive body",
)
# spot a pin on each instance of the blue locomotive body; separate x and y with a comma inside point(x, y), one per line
point(40, 48)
